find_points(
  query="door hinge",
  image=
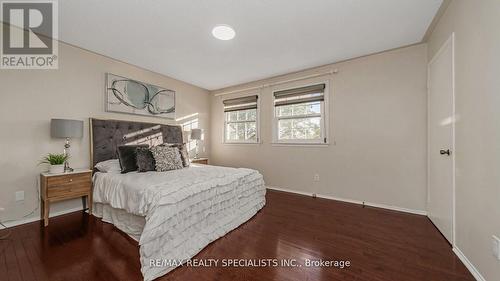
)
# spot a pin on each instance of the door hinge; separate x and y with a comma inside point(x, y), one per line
point(443, 152)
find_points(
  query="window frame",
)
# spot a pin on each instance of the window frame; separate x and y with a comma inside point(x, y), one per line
point(324, 121)
point(257, 123)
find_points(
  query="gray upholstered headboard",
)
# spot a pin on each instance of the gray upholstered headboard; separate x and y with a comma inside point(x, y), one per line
point(107, 135)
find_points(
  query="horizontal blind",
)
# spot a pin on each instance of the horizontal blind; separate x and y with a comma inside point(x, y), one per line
point(243, 103)
point(300, 95)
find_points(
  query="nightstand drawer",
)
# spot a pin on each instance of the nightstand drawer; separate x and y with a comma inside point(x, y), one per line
point(64, 180)
point(68, 190)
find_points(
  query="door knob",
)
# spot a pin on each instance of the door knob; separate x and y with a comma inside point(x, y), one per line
point(443, 152)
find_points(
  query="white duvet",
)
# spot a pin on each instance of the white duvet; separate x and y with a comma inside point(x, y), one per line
point(185, 209)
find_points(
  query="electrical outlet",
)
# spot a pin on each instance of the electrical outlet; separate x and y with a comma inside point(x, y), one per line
point(19, 195)
point(496, 247)
point(316, 177)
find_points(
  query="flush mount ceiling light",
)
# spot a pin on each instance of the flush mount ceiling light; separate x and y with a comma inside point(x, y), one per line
point(223, 32)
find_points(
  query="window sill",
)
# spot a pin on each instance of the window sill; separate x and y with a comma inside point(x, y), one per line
point(300, 144)
point(241, 143)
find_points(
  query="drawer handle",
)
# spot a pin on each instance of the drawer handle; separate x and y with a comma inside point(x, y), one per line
point(70, 180)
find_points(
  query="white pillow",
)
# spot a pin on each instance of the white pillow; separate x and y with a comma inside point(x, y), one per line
point(109, 166)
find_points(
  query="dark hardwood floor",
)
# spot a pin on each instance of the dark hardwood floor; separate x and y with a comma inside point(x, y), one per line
point(380, 245)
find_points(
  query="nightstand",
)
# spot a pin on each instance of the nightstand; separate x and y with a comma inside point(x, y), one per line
point(203, 161)
point(64, 186)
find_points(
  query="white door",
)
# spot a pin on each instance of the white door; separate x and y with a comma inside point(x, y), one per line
point(441, 120)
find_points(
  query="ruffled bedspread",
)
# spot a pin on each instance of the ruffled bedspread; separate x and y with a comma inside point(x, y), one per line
point(185, 209)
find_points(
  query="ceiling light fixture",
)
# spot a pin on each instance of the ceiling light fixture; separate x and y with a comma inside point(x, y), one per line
point(223, 32)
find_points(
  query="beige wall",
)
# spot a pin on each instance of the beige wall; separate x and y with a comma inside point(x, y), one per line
point(30, 98)
point(477, 75)
point(377, 126)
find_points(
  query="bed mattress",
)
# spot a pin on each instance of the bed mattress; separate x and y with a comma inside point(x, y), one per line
point(183, 210)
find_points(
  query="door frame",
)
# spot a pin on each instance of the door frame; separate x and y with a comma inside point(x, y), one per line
point(450, 40)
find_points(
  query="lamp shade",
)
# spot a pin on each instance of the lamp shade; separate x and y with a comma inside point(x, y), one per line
point(66, 128)
point(196, 134)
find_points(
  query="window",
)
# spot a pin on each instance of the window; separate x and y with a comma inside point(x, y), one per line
point(241, 120)
point(299, 115)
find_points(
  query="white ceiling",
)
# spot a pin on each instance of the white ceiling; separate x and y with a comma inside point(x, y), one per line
point(272, 37)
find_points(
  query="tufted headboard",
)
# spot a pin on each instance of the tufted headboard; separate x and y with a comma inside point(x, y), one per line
point(107, 135)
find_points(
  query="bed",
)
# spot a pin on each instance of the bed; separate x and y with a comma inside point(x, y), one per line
point(173, 215)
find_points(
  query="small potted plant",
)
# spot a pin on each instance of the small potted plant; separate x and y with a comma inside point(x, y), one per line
point(56, 162)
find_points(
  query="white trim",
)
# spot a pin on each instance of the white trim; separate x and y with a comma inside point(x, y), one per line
point(376, 205)
point(453, 152)
point(428, 179)
point(473, 270)
point(34, 219)
point(451, 40)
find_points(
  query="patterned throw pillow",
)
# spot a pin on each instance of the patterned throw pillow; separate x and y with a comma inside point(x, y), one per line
point(184, 153)
point(145, 160)
point(167, 158)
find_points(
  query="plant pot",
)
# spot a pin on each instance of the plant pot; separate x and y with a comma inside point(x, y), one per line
point(56, 169)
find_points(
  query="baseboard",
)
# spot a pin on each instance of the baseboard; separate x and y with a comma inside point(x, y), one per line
point(33, 219)
point(473, 270)
point(376, 205)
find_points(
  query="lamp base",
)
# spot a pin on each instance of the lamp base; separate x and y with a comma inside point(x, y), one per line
point(196, 151)
point(67, 168)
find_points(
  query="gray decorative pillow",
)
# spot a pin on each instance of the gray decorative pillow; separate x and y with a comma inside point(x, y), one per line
point(184, 153)
point(128, 157)
point(145, 160)
point(167, 158)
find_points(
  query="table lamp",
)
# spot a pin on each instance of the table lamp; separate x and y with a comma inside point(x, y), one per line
point(196, 135)
point(67, 129)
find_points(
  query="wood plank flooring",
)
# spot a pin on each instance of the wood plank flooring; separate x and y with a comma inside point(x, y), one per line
point(381, 245)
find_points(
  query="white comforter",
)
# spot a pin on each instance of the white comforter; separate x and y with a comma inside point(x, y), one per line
point(185, 209)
